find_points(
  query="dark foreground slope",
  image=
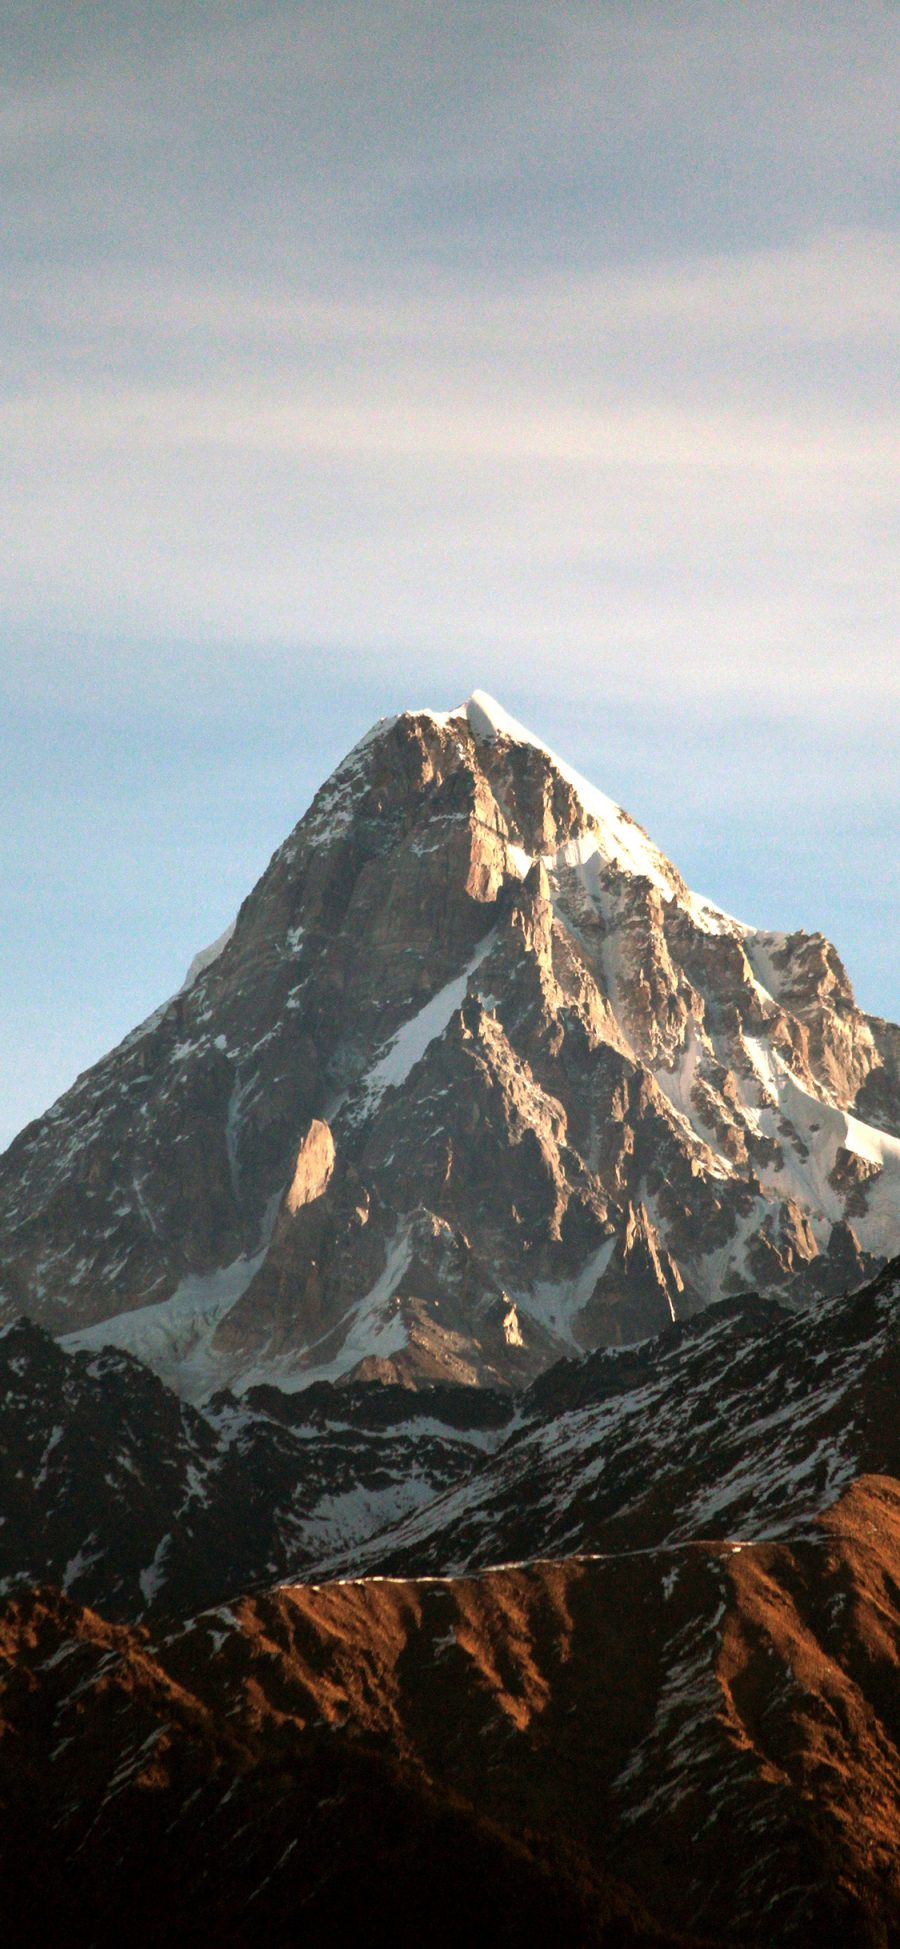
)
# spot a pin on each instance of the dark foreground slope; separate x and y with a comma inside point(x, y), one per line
point(147, 1809)
point(715, 1726)
point(687, 1686)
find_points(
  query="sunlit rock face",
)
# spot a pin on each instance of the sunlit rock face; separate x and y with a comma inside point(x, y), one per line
point(474, 1081)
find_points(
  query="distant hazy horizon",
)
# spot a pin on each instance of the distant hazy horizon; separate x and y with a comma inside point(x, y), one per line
point(359, 355)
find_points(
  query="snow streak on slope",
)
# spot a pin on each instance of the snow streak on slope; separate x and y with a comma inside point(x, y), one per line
point(408, 1046)
point(175, 1336)
point(824, 1132)
point(622, 839)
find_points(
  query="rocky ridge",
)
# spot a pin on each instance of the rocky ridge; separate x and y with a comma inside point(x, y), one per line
point(145, 1799)
point(747, 1422)
point(126, 1498)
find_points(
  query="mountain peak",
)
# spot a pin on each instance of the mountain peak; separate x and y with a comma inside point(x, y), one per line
point(621, 840)
point(487, 719)
point(547, 1078)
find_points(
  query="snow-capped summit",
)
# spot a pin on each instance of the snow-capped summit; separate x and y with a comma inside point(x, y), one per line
point(472, 1054)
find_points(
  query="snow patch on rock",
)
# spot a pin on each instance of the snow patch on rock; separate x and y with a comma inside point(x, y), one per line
point(207, 956)
point(174, 1336)
point(408, 1046)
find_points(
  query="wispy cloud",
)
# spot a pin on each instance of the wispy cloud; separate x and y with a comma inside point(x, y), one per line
point(689, 461)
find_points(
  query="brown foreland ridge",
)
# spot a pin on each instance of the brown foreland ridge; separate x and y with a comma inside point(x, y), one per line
point(715, 1727)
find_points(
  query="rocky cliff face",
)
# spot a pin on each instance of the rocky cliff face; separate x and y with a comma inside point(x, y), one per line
point(474, 1081)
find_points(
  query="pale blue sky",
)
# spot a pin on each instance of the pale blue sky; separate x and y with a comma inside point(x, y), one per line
point(355, 356)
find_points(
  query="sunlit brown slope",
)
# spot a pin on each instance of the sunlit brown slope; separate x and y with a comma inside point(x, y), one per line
point(718, 1724)
point(133, 1810)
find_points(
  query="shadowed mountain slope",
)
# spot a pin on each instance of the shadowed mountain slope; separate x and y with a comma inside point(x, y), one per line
point(747, 1422)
